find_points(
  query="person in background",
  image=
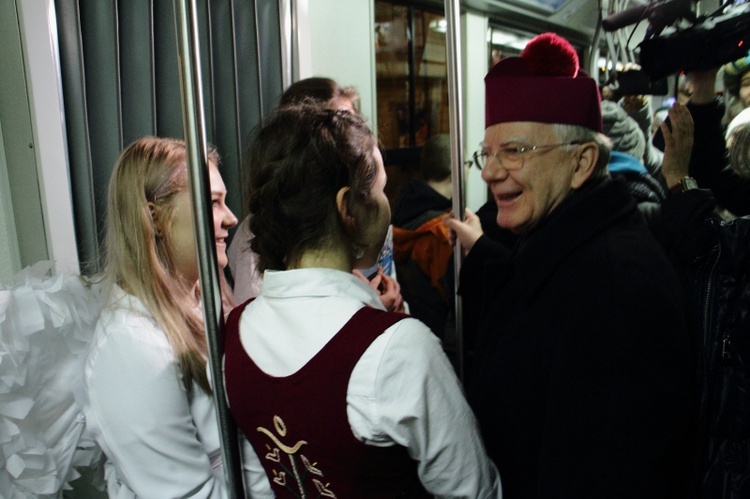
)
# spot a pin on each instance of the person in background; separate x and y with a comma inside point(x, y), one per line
point(684, 89)
point(710, 165)
point(582, 380)
point(243, 263)
point(712, 257)
point(422, 245)
point(146, 395)
point(737, 86)
point(338, 397)
point(738, 143)
point(638, 107)
point(322, 90)
point(625, 163)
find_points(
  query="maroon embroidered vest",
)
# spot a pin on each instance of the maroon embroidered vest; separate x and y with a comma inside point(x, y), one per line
point(298, 424)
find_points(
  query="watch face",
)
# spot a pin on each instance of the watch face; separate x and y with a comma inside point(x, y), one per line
point(688, 183)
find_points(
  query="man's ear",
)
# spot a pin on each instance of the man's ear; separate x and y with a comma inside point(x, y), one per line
point(343, 198)
point(586, 157)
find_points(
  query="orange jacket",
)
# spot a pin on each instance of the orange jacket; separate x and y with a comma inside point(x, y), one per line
point(429, 246)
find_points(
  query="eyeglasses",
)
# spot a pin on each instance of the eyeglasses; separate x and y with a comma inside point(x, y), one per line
point(510, 155)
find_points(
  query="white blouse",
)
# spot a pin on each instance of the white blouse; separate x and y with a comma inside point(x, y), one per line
point(403, 391)
point(159, 441)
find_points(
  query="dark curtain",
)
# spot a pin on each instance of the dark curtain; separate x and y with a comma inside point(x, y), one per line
point(120, 80)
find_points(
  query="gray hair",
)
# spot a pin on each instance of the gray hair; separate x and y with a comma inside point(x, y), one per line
point(739, 149)
point(570, 133)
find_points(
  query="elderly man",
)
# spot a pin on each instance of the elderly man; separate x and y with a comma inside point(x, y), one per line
point(582, 377)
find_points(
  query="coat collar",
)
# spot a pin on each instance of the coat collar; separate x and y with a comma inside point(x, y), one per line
point(581, 217)
point(417, 198)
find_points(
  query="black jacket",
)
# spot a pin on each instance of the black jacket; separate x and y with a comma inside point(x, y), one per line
point(415, 199)
point(722, 285)
point(714, 258)
point(583, 377)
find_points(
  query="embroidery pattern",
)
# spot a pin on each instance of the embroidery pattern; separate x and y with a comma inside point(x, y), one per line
point(299, 469)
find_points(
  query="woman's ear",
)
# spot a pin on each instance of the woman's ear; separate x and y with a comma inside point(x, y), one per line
point(343, 199)
point(586, 158)
point(156, 219)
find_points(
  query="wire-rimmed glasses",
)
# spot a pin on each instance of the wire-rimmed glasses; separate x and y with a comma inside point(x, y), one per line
point(511, 154)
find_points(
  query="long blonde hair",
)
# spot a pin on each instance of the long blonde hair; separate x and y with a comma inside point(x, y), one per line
point(139, 255)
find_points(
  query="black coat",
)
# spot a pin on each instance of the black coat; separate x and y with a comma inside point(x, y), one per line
point(714, 258)
point(582, 380)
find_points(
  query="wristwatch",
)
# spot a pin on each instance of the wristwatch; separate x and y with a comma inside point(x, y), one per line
point(685, 184)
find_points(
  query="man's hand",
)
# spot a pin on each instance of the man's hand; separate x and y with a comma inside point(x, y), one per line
point(467, 231)
point(678, 144)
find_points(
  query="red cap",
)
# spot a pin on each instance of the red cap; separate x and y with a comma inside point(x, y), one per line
point(544, 84)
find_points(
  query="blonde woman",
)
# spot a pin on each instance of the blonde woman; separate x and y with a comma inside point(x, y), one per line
point(148, 402)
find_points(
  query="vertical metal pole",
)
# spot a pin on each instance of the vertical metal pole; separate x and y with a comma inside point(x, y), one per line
point(453, 47)
point(200, 196)
point(259, 59)
point(288, 16)
point(411, 33)
point(294, 43)
point(594, 52)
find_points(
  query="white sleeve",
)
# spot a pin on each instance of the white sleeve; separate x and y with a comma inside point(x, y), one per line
point(256, 480)
point(422, 407)
point(141, 410)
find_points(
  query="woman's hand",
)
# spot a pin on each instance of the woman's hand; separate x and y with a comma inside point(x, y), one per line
point(389, 290)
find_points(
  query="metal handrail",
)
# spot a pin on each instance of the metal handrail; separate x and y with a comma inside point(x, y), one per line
point(200, 198)
point(453, 49)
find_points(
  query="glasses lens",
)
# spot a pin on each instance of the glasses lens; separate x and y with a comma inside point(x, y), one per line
point(510, 156)
point(479, 159)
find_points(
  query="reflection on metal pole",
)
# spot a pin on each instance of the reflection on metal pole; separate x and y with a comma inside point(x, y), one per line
point(453, 47)
point(295, 42)
point(200, 196)
point(286, 26)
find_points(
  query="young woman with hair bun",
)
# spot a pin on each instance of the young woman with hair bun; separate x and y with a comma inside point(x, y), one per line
point(337, 396)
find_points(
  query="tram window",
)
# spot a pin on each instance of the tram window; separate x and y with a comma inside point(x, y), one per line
point(411, 75)
point(504, 43)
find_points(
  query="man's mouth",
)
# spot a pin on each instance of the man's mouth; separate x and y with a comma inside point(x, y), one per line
point(507, 196)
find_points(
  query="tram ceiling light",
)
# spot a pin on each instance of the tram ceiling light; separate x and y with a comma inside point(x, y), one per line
point(605, 64)
point(439, 25)
point(703, 46)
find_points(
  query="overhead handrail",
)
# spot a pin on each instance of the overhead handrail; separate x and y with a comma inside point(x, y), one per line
point(200, 197)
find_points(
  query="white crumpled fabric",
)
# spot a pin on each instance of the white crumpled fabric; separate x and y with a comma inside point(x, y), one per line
point(46, 322)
